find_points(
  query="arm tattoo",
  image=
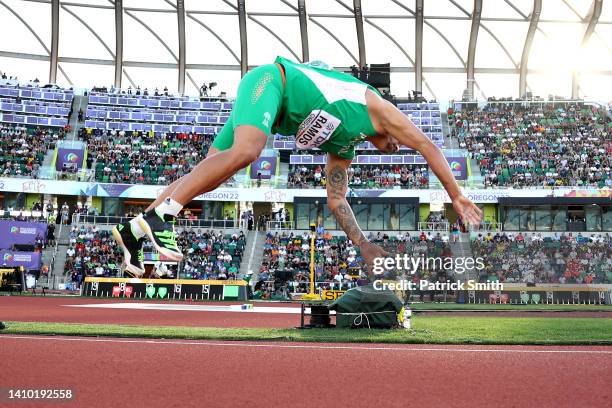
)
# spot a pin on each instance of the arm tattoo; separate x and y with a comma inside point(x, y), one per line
point(337, 183)
point(346, 219)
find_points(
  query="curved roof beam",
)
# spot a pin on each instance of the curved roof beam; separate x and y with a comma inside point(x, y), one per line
point(393, 40)
point(357, 12)
point(303, 17)
point(569, 6)
point(418, 45)
point(88, 27)
point(129, 78)
point(390, 37)
point(53, 58)
point(161, 41)
point(153, 33)
point(31, 30)
point(402, 50)
point(452, 47)
point(335, 39)
point(244, 50)
point(214, 33)
point(508, 2)
point(265, 27)
point(180, 14)
point(476, 14)
point(118, 11)
point(593, 19)
point(484, 27)
point(533, 25)
point(28, 26)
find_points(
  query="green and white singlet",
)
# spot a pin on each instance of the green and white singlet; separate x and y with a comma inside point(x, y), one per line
point(324, 109)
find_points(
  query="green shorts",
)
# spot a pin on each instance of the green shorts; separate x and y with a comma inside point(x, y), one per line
point(257, 103)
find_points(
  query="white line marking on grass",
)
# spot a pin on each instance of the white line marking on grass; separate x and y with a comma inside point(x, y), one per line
point(193, 308)
point(459, 349)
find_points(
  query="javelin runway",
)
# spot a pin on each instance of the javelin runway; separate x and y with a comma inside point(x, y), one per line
point(163, 373)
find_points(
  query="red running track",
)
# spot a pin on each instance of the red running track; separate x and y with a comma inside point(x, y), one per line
point(107, 372)
point(54, 309)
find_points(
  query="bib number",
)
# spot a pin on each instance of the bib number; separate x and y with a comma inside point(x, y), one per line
point(316, 129)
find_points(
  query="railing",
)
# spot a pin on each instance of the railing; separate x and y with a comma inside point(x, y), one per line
point(180, 222)
point(279, 225)
point(201, 223)
point(293, 286)
point(487, 226)
point(434, 226)
point(51, 275)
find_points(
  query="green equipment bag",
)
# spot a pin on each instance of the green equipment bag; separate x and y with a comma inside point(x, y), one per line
point(365, 306)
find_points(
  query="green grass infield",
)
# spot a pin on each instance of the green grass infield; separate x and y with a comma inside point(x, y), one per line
point(426, 329)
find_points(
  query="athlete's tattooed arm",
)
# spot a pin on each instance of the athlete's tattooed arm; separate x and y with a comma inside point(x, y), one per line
point(337, 185)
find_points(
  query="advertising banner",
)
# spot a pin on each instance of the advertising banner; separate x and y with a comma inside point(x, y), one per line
point(264, 165)
point(280, 195)
point(21, 233)
point(458, 166)
point(69, 159)
point(29, 260)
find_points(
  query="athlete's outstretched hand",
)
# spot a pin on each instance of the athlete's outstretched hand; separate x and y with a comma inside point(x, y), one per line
point(369, 252)
point(467, 210)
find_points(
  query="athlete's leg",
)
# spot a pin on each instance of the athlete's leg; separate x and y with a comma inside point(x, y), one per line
point(239, 143)
point(206, 176)
point(249, 141)
point(171, 187)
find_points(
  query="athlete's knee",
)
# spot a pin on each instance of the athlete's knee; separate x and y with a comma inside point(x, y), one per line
point(242, 156)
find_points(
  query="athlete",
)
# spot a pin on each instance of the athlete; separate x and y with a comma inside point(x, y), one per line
point(324, 109)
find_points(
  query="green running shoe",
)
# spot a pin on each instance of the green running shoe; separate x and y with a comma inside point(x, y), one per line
point(160, 230)
point(133, 255)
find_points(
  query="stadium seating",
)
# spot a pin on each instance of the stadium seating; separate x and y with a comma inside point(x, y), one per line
point(34, 106)
point(143, 157)
point(533, 258)
point(23, 148)
point(362, 177)
point(338, 264)
point(156, 113)
point(541, 145)
point(208, 254)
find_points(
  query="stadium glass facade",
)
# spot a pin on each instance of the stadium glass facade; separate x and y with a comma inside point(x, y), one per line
point(379, 216)
point(552, 47)
point(589, 218)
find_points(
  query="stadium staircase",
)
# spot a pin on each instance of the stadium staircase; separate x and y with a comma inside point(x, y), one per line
point(56, 272)
point(48, 161)
point(449, 143)
point(253, 253)
point(79, 102)
point(463, 249)
point(453, 143)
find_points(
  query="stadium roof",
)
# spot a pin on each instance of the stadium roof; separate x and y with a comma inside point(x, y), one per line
point(560, 46)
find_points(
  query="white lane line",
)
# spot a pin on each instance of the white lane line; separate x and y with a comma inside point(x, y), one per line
point(304, 346)
point(192, 308)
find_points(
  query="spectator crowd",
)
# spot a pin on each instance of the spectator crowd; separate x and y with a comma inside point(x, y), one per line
point(23, 149)
point(143, 157)
point(285, 265)
point(363, 176)
point(208, 254)
point(542, 145)
point(534, 258)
